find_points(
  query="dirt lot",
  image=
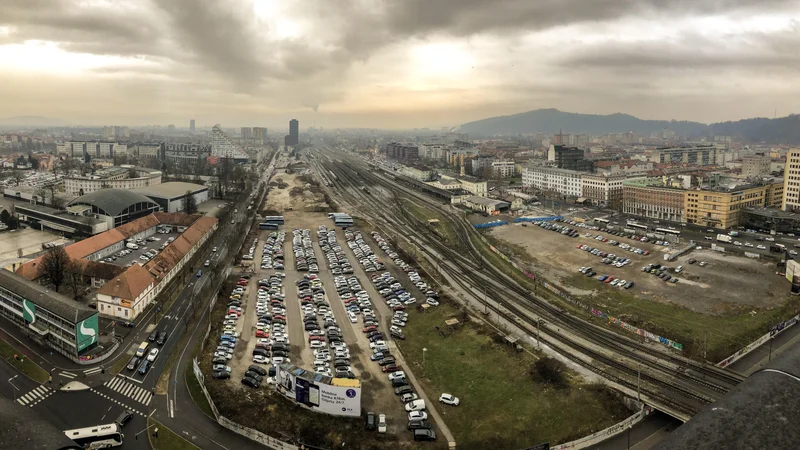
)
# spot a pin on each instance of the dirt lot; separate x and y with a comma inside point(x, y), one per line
point(290, 192)
point(727, 284)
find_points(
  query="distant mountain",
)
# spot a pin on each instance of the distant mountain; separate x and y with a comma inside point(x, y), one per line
point(550, 121)
point(783, 130)
point(32, 121)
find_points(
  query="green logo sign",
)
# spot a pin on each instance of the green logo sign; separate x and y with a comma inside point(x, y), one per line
point(86, 332)
point(28, 311)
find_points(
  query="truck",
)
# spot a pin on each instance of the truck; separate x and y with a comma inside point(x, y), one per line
point(724, 238)
point(777, 248)
point(132, 246)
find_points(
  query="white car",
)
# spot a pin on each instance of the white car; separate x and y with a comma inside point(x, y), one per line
point(449, 399)
point(397, 375)
point(432, 301)
point(219, 354)
point(761, 247)
point(316, 344)
point(382, 423)
point(260, 359)
point(277, 360)
point(214, 250)
point(152, 355)
point(417, 416)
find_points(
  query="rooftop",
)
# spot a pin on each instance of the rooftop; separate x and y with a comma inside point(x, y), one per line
point(470, 179)
point(773, 213)
point(484, 201)
point(58, 213)
point(58, 304)
point(171, 189)
point(112, 201)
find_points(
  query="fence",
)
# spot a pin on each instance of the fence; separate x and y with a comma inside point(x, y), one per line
point(776, 330)
point(600, 436)
point(563, 294)
point(537, 219)
point(490, 224)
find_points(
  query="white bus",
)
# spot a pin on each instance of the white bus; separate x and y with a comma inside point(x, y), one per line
point(637, 225)
point(100, 436)
point(668, 231)
point(603, 221)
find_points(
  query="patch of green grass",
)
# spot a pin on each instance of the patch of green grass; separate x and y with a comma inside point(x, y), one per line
point(423, 214)
point(23, 363)
point(193, 385)
point(726, 333)
point(501, 406)
point(118, 366)
point(167, 439)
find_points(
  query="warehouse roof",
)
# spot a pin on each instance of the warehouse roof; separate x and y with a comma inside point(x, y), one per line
point(112, 201)
point(172, 189)
point(58, 304)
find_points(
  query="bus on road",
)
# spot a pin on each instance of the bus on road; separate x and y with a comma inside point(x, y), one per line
point(603, 221)
point(668, 231)
point(100, 436)
point(268, 226)
point(637, 226)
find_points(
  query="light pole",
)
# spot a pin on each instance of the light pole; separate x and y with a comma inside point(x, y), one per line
point(12, 385)
point(424, 350)
point(638, 381)
point(630, 426)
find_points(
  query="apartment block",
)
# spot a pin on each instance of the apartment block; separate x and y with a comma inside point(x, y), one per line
point(648, 197)
point(698, 155)
point(754, 166)
point(504, 169)
point(791, 181)
point(565, 182)
point(603, 190)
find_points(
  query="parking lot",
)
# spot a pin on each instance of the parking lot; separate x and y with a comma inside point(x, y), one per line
point(723, 284)
point(141, 250)
point(322, 312)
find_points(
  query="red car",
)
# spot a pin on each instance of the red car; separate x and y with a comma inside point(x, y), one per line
point(278, 317)
point(260, 334)
point(579, 246)
point(233, 311)
point(399, 308)
point(609, 280)
point(315, 338)
point(370, 328)
point(390, 368)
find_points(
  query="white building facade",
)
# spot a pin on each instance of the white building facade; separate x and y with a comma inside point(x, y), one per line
point(504, 169)
point(563, 181)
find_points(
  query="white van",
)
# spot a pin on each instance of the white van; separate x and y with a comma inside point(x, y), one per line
point(416, 405)
point(132, 246)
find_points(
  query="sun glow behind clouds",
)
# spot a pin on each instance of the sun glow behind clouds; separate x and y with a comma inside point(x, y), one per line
point(43, 56)
point(439, 65)
point(279, 24)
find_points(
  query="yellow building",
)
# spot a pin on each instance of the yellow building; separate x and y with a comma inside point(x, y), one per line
point(723, 208)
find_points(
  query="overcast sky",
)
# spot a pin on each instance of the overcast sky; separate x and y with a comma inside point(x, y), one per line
point(395, 63)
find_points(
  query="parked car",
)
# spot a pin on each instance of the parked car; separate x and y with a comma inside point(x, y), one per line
point(449, 399)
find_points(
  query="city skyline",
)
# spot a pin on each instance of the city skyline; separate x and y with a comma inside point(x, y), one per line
point(400, 68)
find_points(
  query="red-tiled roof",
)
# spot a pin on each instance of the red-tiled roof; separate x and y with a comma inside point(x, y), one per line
point(128, 285)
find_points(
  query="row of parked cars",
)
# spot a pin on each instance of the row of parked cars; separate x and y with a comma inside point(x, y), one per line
point(608, 279)
point(334, 254)
point(562, 229)
point(607, 258)
point(369, 261)
point(227, 341)
point(272, 255)
point(661, 272)
point(272, 341)
point(303, 249)
point(431, 295)
point(621, 245)
point(331, 355)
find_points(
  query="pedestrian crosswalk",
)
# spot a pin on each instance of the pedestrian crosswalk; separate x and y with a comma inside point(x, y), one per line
point(69, 375)
point(35, 396)
point(92, 371)
point(130, 390)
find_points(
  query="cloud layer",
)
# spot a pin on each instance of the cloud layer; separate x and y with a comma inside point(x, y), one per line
point(395, 63)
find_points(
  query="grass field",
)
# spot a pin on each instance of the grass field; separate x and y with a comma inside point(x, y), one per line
point(501, 406)
point(25, 365)
point(167, 439)
point(194, 390)
point(726, 333)
point(120, 363)
point(445, 228)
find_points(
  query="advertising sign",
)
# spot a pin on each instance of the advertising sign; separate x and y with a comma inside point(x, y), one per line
point(28, 311)
point(86, 333)
point(312, 391)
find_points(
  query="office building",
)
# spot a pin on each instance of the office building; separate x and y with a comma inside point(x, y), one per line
point(473, 185)
point(705, 155)
point(723, 206)
point(569, 158)
point(503, 169)
point(420, 173)
point(294, 132)
point(755, 166)
point(191, 126)
point(51, 319)
point(183, 153)
point(60, 221)
point(791, 181)
point(603, 190)
point(552, 179)
point(650, 198)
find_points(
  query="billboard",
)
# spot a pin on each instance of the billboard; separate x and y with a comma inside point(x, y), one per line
point(28, 311)
point(86, 333)
point(339, 397)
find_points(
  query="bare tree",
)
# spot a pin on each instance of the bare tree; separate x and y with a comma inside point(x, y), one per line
point(56, 264)
point(74, 281)
point(189, 203)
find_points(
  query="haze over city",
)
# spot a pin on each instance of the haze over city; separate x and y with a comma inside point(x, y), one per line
point(395, 63)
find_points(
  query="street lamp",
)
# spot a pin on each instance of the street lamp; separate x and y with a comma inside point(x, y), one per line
point(12, 385)
point(424, 350)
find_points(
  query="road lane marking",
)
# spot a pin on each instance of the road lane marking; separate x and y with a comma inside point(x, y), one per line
point(67, 375)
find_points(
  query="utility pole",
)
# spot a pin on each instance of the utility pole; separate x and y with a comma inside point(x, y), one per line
point(770, 348)
point(638, 381)
point(705, 350)
point(538, 332)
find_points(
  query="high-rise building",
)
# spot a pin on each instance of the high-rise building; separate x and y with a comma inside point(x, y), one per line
point(191, 126)
point(259, 135)
point(791, 181)
point(247, 133)
point(569, 158)
point(294, 132)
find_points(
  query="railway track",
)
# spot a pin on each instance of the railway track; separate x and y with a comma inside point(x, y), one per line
point(664, 383)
